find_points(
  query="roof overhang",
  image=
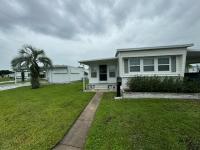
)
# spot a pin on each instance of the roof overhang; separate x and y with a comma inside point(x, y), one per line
point(193, 56)
point(103, 60)
point(153, 48)
point(58, 66)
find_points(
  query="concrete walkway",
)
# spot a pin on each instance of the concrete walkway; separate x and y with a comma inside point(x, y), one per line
point(76, 137)
point(13, 86)
point(136, 95)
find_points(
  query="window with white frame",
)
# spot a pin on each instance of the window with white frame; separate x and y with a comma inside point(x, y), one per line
point(163, 64)
point(112, 71)
point(134, 64)
point(126, 65)
point(148, 64)
point(93, 72)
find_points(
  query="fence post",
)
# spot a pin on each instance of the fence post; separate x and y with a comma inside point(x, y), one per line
point(15, 77)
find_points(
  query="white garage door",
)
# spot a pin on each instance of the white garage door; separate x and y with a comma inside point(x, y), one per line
point(75, 77)
point(60, 78)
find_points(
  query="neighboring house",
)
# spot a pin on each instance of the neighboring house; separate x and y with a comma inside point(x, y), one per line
point(11, 75)
point(145, 61)
point(18, 75)
point(64, 74)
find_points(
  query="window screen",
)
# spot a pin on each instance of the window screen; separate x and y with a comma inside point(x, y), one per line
point(134, 64)
point(173, 63)
point(112, 71)
point(134, 61)
point(163, 64)
point(93, 72)
point(148, 64)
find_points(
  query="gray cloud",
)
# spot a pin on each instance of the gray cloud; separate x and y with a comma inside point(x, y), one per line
point(70, 30)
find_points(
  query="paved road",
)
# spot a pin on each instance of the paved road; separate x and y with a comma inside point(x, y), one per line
point(13, 86)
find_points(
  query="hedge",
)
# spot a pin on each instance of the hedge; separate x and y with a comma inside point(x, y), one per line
point(163, 84)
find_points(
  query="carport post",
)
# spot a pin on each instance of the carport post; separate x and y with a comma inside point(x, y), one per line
point(83, 79)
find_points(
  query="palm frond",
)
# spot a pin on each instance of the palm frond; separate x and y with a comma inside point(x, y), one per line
point(30, 56)
point(17, 62)
point(45, 61)
point(23, 51)
point(35, 52)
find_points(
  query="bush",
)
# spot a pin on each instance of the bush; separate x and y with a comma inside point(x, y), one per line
point(163, 84)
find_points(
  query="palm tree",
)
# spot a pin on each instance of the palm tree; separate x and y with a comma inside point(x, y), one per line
point(30, 58)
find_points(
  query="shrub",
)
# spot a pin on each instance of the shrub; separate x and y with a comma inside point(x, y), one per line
point(163, 84)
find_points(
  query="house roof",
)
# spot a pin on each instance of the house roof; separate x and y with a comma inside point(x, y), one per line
point(153, 48)
point(65, 66)
point(137, 49)
point(97, 60)
point(60, 66)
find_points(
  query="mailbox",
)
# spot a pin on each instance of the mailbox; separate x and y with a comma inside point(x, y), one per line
point(119, 83)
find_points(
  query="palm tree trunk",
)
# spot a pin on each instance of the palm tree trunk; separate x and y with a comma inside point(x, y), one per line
point(35, 82)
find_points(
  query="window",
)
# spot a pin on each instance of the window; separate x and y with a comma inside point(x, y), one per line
point(163, 64)
point(173, 63)
point(134, 64)
point(93, 72)
point(125, 65)
point(112, 71)
point(148, 64)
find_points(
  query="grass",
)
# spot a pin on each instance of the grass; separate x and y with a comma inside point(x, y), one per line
point(38, 119)
point(145, 124)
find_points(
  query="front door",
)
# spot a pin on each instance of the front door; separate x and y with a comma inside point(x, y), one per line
point(103, 72)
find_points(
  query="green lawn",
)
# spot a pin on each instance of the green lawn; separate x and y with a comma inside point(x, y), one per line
point(145, 124)
point(38, 119)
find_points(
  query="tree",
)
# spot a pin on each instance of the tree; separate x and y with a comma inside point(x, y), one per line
point(30, 58)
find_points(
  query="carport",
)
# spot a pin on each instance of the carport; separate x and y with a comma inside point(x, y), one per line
point(193, 57)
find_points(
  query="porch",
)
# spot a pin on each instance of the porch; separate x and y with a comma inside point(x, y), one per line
point(102, 74)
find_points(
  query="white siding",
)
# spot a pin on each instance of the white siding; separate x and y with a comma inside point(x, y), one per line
point(76, 73)
point(58, 75)
point(109, 79)
point(180, 62)
point(180, 65)
point(65, 74)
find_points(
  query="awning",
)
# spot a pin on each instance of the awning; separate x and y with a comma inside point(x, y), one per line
point(103, 60)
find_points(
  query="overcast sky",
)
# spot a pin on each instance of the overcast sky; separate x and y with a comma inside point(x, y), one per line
point(73, 30)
